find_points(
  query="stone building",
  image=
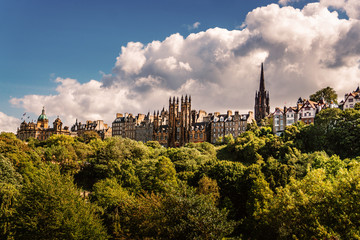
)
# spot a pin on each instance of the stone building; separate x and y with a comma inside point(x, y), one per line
point(304, 111)
point(229, 124)
point(180, 125)
point(350, 99)
point(144, 128)
point(41, 130)
point(199, 132)
point(124, 126)
point(98, 126)
point(262, 99)
point(179, 121)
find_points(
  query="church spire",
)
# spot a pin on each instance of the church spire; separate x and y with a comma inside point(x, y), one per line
point(262, 100)
point(262, 79)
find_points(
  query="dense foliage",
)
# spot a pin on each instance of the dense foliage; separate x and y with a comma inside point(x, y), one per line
point(302, 185)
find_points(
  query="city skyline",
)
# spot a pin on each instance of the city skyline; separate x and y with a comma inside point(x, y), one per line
point(214, 55)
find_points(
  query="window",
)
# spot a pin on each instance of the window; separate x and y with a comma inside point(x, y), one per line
point(201, 135)
point(351, 99)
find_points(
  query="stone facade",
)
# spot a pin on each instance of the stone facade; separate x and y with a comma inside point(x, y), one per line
point(98, 126)
point(180, 125)
point(229, 124)
point(179, 122)
point(41, 130)
point(304, 111)
point(350, 99)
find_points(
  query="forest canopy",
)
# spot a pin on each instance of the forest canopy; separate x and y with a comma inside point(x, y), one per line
point(304, 184)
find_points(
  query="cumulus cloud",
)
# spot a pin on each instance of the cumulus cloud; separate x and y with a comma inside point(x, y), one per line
point(351, 7)
point(8, 123)
point(303, 50)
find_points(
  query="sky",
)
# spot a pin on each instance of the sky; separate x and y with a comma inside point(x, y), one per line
point(89, 60)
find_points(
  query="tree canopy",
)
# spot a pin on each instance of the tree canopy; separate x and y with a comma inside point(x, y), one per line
point(301, 185)
point(328, 93)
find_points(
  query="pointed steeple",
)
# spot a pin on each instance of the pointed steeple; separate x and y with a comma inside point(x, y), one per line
point(262, 79)
point(262, 99)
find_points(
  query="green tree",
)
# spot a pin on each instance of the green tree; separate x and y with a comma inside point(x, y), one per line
point(9, 192)
point(9, 195)
point(87, 136)
point(328, 93)
point(51, 207)
point(209, 187)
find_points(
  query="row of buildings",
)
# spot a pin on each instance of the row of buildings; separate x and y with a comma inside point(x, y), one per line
point(306, 110)
point(41, 129)
point(180, 124)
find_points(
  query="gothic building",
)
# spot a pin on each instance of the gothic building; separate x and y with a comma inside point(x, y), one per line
point(41, 130)
point(262, 102)
point(179, 122)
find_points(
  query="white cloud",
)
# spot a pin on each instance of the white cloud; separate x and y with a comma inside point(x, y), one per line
point(303, 49)
point(8, 123)
point(286, 2)
point(132, 58)
point(195, 25)
point(351, 7)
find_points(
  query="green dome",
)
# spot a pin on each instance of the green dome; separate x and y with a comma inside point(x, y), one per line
point(42, 116)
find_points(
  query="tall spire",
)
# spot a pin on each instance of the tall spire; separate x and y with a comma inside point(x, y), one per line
point(262, 79)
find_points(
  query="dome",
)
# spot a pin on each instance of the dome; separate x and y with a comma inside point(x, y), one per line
point(42, 116)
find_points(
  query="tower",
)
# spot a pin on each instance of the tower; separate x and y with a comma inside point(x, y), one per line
point(185, 122)
point(57, 125)
point(179, 122)
point(262, 101)
point(43, 121)
point(173, 122)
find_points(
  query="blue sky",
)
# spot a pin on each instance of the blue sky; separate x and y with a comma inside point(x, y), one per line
point(43, 40)
point(78, 39)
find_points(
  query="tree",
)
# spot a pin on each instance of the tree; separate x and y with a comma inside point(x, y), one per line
point(87, 136)
point(50, 207)
point(328, 93)
point(319, 206)
point(209, 187)
point(357, 106)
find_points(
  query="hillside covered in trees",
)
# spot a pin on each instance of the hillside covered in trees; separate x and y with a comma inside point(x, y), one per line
point(302, 185)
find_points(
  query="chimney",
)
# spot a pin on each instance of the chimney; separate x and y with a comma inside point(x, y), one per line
point(119, 115)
